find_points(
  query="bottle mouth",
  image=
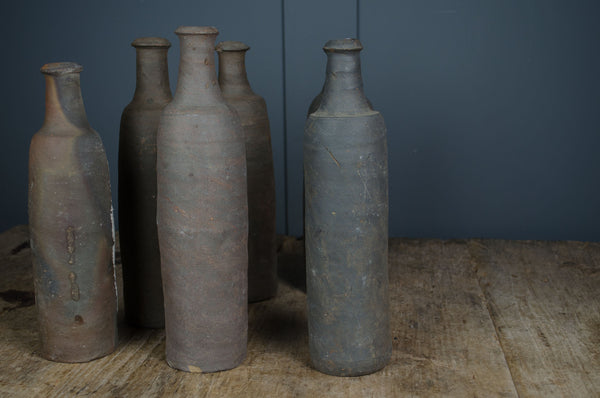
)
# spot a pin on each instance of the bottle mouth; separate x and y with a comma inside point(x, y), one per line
point(342, 45)
point(225, 46)
point(61, 68)
point(197, 30)
point(151, 42)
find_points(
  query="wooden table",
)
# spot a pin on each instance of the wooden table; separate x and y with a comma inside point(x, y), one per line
point(470, 318)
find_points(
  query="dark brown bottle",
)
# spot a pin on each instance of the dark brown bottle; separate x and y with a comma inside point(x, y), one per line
point(252, 110)
point(71, 227)
point(346, 197)
point(202, 215)
point(142, 284)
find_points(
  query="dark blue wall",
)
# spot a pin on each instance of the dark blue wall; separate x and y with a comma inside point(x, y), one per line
point(492, 108)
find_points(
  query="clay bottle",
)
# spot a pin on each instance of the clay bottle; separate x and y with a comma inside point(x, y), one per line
point(346, 189)
point(142, 284)
point(71, 227)
point(252, 110)
point(202, 215)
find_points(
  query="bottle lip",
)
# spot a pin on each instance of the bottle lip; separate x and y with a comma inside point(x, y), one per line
point(196, 30)
point(342, 45)
point(225, 46)
point(151, 42)
point(61, 68)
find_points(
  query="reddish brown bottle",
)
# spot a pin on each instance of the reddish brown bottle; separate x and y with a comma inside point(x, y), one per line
point(252, 110)
point(202, 215)
point(71, 228)
point(142, 284)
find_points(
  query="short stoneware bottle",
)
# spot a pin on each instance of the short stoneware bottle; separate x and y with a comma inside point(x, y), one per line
point(252, 110)
point(346, 197)
point(71, 227)
point(202, 215)
point(142, 284)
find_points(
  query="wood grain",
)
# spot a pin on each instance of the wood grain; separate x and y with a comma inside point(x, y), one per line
point(469, 318)
point(544, 298)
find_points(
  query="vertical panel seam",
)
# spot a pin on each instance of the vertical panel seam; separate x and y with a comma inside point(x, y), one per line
point(358, 19)
point(285, 143)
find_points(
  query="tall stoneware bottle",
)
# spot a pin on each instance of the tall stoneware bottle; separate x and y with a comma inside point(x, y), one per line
point(252, 110)
point(346, 184)
point(142, 285)
point(202, 215)
point(71, 227)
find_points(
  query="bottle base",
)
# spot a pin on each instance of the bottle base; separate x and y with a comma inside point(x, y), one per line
point(209, 368)
point(75, 358)
point(351, 369)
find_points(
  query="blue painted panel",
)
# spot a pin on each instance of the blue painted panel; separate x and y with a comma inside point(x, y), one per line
point(308, 25)
point(97, 35)
point(492, 107)
point(493, 115)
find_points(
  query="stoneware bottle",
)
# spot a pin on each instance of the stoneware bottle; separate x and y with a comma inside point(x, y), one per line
point(202, 215)
point(252, 110)
point(142, 284)
point(71, 227)
point(346, 189)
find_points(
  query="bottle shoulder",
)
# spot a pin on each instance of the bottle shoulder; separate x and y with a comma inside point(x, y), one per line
point(183, 108)
point(147, 103)
point(64, 130)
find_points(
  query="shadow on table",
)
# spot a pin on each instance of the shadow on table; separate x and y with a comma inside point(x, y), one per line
point(291, 267)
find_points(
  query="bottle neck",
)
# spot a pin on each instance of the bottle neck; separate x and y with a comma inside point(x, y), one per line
point(64, 103)
point(152, 75)
point(197, 81)
point(343, 89)
point(232, 73)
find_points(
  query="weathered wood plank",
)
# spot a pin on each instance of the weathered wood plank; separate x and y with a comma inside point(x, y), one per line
point(544, 298)
point(444, 340)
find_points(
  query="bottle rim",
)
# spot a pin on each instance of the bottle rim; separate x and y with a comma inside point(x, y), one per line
point(61, 68)
point(151, 42)
point(233, 46)
point(196, 30)
point(342, 45)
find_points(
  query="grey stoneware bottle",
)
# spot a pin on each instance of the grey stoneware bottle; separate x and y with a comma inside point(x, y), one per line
point(71, 226)
point(252, 110)
point(142, 284)
point(202, 215)
point(346, 199)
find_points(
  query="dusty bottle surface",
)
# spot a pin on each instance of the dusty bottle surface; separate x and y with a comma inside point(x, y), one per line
point(252, 110)
point(142, 284)
point(202, 215)
point(346, 198)
point(71, 227)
